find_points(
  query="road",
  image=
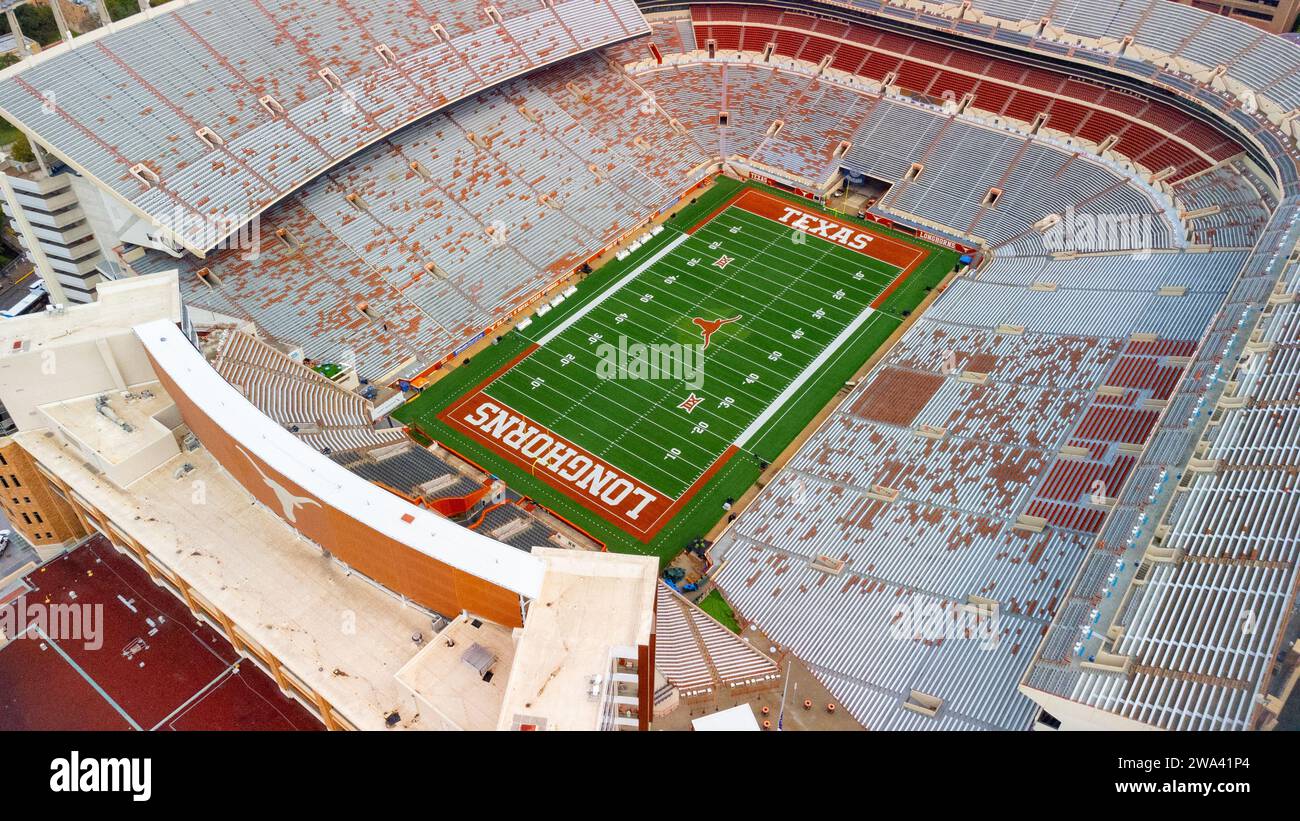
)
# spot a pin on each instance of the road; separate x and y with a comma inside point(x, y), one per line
point(14, 280)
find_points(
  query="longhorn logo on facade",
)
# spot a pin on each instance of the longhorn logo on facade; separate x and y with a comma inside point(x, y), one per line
point(288, 501)
point(710, 327)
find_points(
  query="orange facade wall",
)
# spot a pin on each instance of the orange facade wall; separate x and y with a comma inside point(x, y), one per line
point(399, 567)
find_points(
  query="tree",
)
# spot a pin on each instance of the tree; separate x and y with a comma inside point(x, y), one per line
point(37, 23)
point(21, 150)
point(117, 9)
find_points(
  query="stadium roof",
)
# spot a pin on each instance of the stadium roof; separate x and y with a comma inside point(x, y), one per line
point(1251, 55)
point(245, 562)
point(441, 677)
point(282, 452)
point(201, 113)
point(593, 608)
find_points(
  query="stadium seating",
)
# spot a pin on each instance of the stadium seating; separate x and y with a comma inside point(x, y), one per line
point(385, 220)
point(1068, 377)
point(214, 117)
point(1005, 450)
point(314, 408)
point(1194, 667)
point(363, 261)
point(510, 523)
point(1150, 132)
point(1208, 40)
point(421, 475)
point(405, 469)
point(1240, 202)
point(963, 160)
point(700, 657)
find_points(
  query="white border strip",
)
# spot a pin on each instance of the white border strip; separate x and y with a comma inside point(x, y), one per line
point(618, 286)
point(803, 377)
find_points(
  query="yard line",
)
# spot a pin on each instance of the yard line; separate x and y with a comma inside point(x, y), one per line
point(870, 263)
point(593, 389)
point(669, 384)
point(838, 354)
point(628, 277)
point(849, 315)
point(651, 406)
point(752, 324)
point(761, 224)
point(611, 445)
point(687, 276)
point(814, 267)
point(616, 289)
point(815, 259)
point(830, 304)
point(790, 389)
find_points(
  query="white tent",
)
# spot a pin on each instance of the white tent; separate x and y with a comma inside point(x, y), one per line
point(735, 719)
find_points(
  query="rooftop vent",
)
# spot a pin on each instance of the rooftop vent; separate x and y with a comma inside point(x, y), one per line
point(923, 703)
point(826, 564)
point(209, 137)
point(480, 658)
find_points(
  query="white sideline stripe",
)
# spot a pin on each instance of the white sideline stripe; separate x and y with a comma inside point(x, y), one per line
point(803, 377)
point(618, 286)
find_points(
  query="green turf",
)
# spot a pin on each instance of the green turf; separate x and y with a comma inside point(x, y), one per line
point(794, 299)
point(785, 322)
point(717, 607)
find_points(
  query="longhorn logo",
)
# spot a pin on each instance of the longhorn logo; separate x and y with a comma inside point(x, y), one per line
point(710, 327)
point(289, 502)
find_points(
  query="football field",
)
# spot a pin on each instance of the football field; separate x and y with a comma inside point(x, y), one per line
point(711, 334)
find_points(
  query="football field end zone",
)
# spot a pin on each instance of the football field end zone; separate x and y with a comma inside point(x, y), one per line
point(641, 509)
point(901, 254)
point(584, 477)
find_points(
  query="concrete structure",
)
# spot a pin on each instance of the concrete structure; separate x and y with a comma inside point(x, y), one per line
point(962, 487)
point(585, 659)
point(51, 224)
point(332, 585)
point(736, 719)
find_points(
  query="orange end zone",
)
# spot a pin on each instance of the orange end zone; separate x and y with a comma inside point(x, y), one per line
point(856, 237)
point(615, 496)
point(579, 474)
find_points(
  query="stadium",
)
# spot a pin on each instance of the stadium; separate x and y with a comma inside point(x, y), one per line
point(600, 364)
